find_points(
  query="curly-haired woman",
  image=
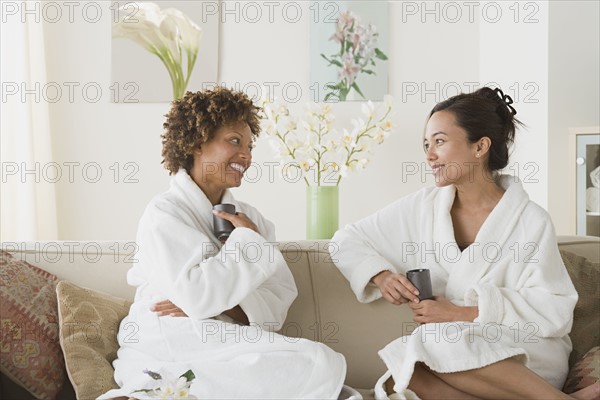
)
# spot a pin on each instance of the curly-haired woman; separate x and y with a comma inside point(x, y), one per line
point(206, 306)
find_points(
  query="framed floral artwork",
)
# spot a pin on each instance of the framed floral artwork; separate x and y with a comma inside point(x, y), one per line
point(349, 46)
point(161, 49)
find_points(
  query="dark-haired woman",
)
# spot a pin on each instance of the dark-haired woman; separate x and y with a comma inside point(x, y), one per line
point(498, 325)
point(204, 306)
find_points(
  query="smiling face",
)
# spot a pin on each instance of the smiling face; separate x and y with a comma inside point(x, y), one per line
point(220, 163)
point(449, 153)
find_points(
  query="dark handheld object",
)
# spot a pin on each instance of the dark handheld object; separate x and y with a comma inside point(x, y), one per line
point(421, 279)
point(222, 227)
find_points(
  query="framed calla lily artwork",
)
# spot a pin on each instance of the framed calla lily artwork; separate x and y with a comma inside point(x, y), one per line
point(161, 49)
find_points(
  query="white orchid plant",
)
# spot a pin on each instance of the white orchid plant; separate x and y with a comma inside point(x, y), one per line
point(312, 147)
point(170, 388)
point(168, 33)
point(357, 54)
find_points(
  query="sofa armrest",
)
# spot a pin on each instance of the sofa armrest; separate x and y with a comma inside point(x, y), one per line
point(585, 246)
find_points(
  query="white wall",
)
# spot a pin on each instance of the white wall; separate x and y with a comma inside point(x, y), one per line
point(97, 135)
point(412, 63)
point(574, 96)
point(514, 54)
point(431, 55)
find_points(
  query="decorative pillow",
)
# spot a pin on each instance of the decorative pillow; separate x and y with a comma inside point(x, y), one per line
point(89, 323)
point(30, 352)
point(585, 275)
point(585, 372)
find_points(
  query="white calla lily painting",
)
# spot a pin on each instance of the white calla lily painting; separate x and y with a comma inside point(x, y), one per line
point(162, 49)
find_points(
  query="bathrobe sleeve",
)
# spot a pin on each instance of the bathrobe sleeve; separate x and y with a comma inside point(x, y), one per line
point(248, 270)
point(363, 249)
point(542, 299)
point(269, 303)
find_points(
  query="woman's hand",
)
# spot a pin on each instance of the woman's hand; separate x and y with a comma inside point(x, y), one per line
point(165, 307)
point(395, 288)
point(440, 309)
point(239, 220)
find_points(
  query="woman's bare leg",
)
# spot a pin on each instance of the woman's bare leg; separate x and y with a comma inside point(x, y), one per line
point(506, 379)
point(428, 386)
point(591, 392)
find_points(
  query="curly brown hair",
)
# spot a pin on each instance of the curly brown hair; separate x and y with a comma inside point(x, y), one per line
point(194, 119)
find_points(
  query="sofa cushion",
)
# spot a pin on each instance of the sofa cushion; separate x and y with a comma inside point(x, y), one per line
point(585, 372)
point(585, 275)
point(30, 350)
point(89, 323)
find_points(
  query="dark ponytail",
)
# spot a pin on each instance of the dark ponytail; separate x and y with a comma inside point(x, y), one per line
point(485, 113)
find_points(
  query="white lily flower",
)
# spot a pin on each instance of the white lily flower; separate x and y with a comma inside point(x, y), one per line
point(165, 33)
point(348, 139)
point(270, 127)
point(325, 110)
point(282, 109)
point(358, 124)
point(386, 125)
point(368, 109)
point(188, 32)
point(307, 125)
point(364, 146)
point(307, 164)
point(361, 163)
point(143, 28)
point(292, 124)
point(170, 388)
point(312, 143)
point(381, 135)
point(267, 111)
point(333, 146)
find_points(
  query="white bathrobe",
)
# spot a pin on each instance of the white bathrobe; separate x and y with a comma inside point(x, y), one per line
point(180, 259)
point(513, 272)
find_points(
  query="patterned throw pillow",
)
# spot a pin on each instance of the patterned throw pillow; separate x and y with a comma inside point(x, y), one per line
point(585, 372)
point(89, 322)
point(585, 275)
point(30, 353)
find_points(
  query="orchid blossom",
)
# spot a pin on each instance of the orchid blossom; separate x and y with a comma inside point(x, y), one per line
point(358, 51)
point(170, 388)
point(313, 148)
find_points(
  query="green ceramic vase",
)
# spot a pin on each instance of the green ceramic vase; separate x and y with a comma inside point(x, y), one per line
point(322, 215)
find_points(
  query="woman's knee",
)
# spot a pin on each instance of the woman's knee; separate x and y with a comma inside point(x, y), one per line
point(421, 378)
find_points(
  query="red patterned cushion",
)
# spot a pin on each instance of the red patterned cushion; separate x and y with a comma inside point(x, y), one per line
point(585, 372)
point(30, 350)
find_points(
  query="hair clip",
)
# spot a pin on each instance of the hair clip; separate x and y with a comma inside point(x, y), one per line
point(506, 99)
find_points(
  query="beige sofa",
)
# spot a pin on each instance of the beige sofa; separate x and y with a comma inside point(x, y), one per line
point(325, 310)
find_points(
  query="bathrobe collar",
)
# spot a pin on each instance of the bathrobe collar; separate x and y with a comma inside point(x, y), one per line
point(197, 201)
point(477, 258)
